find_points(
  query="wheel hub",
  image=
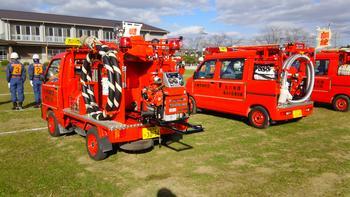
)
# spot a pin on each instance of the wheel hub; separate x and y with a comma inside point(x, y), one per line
point(341, 104)
point(258, 118)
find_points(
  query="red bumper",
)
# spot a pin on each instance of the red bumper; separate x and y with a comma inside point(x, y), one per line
point(291, 112)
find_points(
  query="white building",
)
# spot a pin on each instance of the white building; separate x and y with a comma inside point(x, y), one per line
point(28, 33)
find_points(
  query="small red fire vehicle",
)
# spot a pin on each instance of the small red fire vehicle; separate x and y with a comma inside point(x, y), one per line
point(332, 81)
point(127, 94)
point(262, 83)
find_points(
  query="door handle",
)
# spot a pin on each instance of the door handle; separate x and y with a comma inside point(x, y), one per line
point(211, 82)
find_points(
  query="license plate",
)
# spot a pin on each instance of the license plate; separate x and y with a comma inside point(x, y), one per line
point(150, 132)
point(297, 113)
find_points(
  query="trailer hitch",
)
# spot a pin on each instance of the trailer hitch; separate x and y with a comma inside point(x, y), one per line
point(193, 128)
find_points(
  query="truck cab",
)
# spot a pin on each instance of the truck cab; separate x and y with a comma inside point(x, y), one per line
point(238, 82)
point(332, 81)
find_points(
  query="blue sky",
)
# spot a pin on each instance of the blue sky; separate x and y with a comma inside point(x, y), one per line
point(205, 18)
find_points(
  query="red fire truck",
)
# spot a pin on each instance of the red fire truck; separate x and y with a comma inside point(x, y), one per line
point(127, 94)
point(332, 81)
point(263, 83)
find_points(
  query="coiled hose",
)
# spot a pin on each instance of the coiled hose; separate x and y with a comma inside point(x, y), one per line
point(114, 84)
point(285, 95)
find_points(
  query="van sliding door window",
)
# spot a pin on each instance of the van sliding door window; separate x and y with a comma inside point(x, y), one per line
point(232, 69)
point(321, 67)
point(206, 71)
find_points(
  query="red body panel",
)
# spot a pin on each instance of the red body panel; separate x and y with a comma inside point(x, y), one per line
point(238, 96)
point(330, 84)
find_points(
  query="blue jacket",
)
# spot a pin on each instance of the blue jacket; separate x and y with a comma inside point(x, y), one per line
point(15, 68)
point(35, 70)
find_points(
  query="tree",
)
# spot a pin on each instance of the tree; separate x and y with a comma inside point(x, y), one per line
point(271, 35)
point(280, 35)
point(213, 40)
point(295, 34)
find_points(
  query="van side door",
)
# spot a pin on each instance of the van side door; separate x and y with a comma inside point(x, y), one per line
point(231, 87)
point(50, 88)
point(322, 85)
point(203, 84)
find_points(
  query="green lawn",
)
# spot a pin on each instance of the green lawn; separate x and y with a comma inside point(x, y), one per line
point(306, 158)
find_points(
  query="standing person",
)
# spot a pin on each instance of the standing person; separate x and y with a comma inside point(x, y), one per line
point(16, 76)
point(35, 71)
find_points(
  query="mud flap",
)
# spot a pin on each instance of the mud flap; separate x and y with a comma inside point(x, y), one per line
point(106, 144)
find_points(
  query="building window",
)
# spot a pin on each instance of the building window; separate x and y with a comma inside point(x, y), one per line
point(66, 32)
point(53, 52)
point(3, 53)
point(27, 32)
point(93, 33)
point(107, 35)
point(50, 32)
point(80, 32)
point(59, 32)
point(37, 31)
point(18, 29)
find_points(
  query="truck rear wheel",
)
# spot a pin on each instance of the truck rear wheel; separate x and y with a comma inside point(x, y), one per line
point(259, 118)
point(52, 124)
point(341, 103)
point(94, 145)
point(192, 105)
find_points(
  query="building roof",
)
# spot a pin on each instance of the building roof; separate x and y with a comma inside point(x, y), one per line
point(71, 20)
point(7, 42)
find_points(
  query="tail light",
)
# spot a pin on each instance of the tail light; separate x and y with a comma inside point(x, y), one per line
point(125, 43)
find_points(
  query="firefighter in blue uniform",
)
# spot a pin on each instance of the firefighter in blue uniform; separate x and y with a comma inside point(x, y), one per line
point(35, 71)
point(16, 76)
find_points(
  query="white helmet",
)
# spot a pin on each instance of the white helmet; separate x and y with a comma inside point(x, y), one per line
point(14, 55)
point(200, 59)
point(35, 57)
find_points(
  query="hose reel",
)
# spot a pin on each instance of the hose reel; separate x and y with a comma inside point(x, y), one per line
point(109, 60)
point(285, 94)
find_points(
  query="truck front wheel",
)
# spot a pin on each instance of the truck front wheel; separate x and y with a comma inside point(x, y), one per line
point(52, 124)
point(259, 118)
point(94, 145)
point(341, 103)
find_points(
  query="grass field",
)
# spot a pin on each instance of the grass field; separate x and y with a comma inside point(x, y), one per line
point(310, 157)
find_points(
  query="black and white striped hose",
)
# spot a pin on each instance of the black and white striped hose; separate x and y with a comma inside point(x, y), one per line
point(92, 108)
point(114, 84)
point(110, 62)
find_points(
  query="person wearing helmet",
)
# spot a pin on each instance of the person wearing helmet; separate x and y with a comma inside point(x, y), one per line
point(35, 71)
point(16, 76)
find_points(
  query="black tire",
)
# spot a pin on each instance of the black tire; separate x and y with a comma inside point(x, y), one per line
point(192, 102)
point(341, 103)
point(52, 124)
point(259, 118)
point(94, 146)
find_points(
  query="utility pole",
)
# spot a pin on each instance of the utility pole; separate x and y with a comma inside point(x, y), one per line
point(335, 37)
